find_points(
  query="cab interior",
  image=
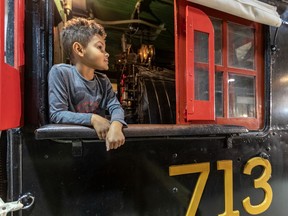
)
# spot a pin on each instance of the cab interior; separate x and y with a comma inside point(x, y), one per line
point(141, 44)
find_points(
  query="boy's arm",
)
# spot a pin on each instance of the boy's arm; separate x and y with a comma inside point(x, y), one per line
point(113, 105)
point(101, 126)
point(115, 137)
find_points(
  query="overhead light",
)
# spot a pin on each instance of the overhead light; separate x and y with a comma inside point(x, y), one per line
point(146, 53)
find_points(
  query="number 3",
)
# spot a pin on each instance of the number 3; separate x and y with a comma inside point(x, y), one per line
point(261, 182)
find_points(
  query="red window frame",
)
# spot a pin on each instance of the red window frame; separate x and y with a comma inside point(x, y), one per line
point(10, 76)
point(252, 123)
point(197, 21)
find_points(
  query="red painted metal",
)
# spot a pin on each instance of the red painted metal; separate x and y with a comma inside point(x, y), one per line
point(182, 99)
point(180, 66)
point(187, 21)
point(196, 20)
point(10, 77)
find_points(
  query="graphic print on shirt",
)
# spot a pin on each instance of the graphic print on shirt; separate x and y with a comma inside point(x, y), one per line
point(85, 103)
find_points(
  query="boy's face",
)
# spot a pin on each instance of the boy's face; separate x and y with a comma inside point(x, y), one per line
point(94, 55)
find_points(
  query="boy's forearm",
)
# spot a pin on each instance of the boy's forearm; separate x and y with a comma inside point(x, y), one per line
point(117, 115)
point(98, 120)
point(115, 137)
point(68, 117)
point(117, 125)
point(93, 119)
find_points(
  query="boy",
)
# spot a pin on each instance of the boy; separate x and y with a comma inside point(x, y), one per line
point(78, 94)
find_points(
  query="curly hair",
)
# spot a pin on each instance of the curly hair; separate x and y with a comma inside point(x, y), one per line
point(79, 30)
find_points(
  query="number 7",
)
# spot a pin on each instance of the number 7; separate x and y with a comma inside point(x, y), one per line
point(204, 170)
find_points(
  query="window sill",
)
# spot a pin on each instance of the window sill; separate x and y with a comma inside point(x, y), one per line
point(72, 132)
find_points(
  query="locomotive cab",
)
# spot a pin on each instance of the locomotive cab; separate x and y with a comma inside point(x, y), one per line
point(159, 96)
point(203, 87)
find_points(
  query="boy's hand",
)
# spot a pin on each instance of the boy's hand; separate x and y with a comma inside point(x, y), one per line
point(101, 126)
point(115, 137)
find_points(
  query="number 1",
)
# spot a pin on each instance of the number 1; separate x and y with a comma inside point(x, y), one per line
point(228, 185)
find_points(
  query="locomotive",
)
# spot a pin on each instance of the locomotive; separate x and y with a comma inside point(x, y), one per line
point(203, 86)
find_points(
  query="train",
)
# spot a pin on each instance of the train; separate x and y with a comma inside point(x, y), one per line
point(204, 88)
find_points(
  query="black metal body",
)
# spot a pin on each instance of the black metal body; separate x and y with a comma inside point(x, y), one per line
point(134, 180)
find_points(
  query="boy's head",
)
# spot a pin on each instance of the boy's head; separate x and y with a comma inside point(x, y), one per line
point(79, 30)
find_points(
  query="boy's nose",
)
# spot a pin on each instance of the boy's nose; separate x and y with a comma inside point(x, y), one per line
point(107, 54)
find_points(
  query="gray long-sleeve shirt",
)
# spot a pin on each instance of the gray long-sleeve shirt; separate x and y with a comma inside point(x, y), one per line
point(73, 99)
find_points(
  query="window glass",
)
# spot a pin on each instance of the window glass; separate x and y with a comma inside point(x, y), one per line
point(217, 24)
point(200, 47)
point(241, 96)
point(9, 32)
point(201, 87)
point(219, 94)
point(240, 46)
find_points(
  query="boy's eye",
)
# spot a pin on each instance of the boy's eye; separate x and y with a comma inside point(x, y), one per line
point(101, 48)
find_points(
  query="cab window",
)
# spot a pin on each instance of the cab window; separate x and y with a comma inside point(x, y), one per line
point(237, 70)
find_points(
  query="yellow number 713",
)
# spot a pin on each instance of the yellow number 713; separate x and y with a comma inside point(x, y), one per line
point(227, 167)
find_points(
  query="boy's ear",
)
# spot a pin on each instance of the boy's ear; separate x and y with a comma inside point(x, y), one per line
point(78, 49)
